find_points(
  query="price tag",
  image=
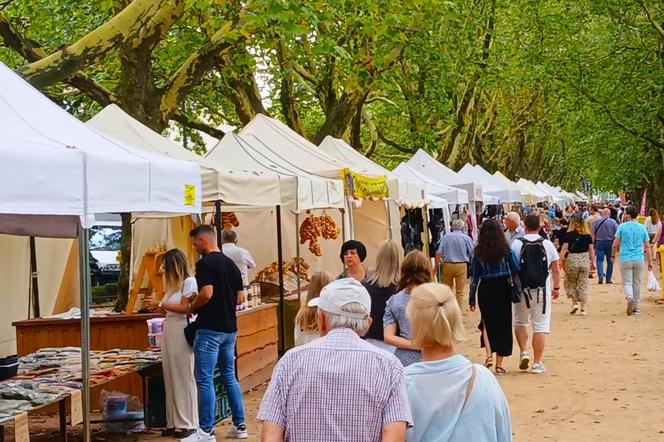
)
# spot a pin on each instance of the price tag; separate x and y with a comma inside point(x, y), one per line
point(21, 432)
point(189, 195)
point(76, 407)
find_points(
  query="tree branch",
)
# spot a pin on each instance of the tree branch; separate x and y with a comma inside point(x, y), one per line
point(33, 52)
point(392, 144)
point(197, 125)
point(652, 21)
point(128, 26)
point(201, 62)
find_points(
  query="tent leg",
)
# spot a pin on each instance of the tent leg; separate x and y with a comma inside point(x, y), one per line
point(389, 219)
point(351, 221)
point(217, 221)
point(282, 301)
point(425, 228)
point(84, 283)
point(34, 278)
point(297, 253)
point(343, 225)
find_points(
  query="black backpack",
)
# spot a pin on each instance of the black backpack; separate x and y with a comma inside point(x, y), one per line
point(534, 264)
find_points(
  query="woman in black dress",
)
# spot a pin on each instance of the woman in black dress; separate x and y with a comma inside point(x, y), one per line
point(493, 267)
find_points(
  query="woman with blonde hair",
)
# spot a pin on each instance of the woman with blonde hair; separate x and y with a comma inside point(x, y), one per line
point(451, 398)
point(652, 224)
point(415, 270)
point(381, 286)
point(577, 254)
point(177, 356)
point(306, 325)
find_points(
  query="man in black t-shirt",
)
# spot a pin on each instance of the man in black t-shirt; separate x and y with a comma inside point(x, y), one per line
point(219, 291)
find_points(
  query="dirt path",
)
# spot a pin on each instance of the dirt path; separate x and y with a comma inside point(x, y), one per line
point(605, 378)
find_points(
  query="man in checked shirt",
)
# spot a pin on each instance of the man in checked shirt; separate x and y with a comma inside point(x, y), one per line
point(338, 387)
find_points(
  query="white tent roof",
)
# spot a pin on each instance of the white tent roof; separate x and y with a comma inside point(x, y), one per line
point(559, 197)
point(219, 181)
point(431, 168)
point(409, 193)
point(60, 166)
point(432, 187)
point(534, 190)
point(492, 185)
point(287, 144)
point(529, 197)
point(299, 188)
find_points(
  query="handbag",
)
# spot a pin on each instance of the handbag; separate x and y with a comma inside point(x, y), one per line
point(190, 331)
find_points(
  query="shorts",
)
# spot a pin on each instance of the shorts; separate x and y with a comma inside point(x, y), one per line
point(523, 315)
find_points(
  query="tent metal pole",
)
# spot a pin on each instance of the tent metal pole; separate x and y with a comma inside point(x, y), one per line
point(84, 284)
point(282, 301)
point(34, 278)
point(217, 221)
point(351, 221)
point(389, 219)
point(425, 229)
point(297, 252)
point(343, 224)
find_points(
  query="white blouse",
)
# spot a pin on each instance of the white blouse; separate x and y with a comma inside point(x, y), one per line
point(189, 288)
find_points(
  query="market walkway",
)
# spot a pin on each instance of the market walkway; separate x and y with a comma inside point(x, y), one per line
point(605, 378)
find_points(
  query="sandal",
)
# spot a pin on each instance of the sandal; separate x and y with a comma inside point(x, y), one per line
point(500, 370)
point(488, 363)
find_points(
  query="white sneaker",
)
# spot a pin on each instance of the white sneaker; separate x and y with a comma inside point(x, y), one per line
point(538, 368)
point(525, 361)
point(200, 436)
point(239, 432)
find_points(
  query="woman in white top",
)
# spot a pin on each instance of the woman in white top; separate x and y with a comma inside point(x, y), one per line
point(451, 399)
point(652, 224)
point(177, 356)
point(306, 323)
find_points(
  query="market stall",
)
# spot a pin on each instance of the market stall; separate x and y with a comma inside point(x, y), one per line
point(491, 185)
point(530, 198)
point(39, 141)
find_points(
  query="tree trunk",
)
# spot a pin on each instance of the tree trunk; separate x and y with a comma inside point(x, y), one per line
point(125, 261)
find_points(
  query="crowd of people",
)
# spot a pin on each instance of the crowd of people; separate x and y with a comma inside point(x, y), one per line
point(375, 351)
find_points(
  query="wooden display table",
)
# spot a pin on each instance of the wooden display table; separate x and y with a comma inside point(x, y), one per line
point(128, 332)
point(257, 343)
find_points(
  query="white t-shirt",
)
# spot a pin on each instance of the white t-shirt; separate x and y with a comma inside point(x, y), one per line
point(650, 227)
point(188, 288)
point(549, 248)
point(242, 259)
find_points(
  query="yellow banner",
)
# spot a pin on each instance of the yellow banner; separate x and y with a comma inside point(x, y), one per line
point(189, 195)
point(363, 187)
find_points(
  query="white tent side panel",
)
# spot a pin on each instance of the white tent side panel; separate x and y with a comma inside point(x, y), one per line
point(15, 261)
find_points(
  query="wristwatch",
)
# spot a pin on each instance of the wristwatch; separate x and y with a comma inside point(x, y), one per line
point(556, 288)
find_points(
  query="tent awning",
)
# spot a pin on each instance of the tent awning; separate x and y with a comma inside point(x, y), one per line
point(404, 192)
point(491, 185)
point(452, 194)
point(219, 182)
point(292, 148)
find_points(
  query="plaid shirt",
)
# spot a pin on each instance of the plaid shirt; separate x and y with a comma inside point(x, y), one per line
point(336, 388)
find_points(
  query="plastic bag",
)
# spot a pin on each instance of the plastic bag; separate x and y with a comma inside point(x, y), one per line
point(653, 283)
point(123, 413)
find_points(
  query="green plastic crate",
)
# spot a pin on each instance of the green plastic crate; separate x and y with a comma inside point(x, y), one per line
point(155, 407)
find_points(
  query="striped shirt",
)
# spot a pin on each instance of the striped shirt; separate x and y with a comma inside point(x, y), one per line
point(336, 388)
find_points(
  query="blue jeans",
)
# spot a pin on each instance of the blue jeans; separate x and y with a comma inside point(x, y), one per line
point(212, 348)
point(603, 250)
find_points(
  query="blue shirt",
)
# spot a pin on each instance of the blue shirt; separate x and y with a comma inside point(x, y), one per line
point(481, 270)
point(395, 313)
point(436, 392)
point(456, 246)
point(632, 236)
point(604, 229)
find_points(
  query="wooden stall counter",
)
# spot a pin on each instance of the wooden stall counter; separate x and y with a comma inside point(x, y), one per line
point(257, 345)
point(129, 332)
point(257, 342)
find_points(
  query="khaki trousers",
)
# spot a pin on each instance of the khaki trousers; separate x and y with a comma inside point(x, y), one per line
point(455, 275)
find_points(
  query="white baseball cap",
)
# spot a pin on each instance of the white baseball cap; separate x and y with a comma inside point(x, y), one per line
point(341, 292)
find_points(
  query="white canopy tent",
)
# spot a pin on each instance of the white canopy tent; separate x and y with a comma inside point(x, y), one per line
point(368, 217)
point(562, 197)
point(404, 192)
point(529, 197)
point(491, 185)
point(219, 181)
point(432, 187)
point(541, 195)
point(101, 176)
